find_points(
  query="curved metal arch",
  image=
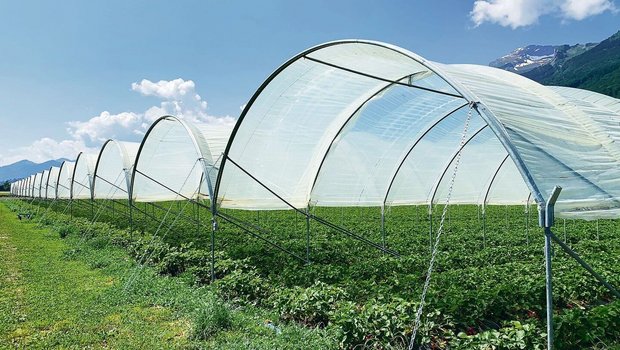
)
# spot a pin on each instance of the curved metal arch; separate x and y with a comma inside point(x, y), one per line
point(191, 134)
point(402, 162)
point(488, 190)
point(77, 159)
point(90, 178)
point(62, 166)
point(31, 185)
point(346, 122)
point(273, 75)
point(123, 155)
point(58, 178)
point(41, 174)
point(443, 173)
point(49, 176)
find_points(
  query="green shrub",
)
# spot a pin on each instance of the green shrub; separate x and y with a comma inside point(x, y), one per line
point(513, 336)
point(212, 318)
point(310, 306)
point(577, 328)
point(378, 323)
point(244, 287)
point(66, 230)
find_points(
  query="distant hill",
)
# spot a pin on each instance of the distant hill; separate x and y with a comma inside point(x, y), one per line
point(592, 66)
point(25, 168)
point(526, 59)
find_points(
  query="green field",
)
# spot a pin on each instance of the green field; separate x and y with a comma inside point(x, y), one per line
point(487, 291)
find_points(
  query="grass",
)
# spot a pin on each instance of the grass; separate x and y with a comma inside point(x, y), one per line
point(486, 282)
point(75, 293)
point(47, 301)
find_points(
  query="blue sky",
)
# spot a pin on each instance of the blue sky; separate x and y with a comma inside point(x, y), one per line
point(67, 67)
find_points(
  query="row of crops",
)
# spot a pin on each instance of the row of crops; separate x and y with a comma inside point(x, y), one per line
point(487, 291)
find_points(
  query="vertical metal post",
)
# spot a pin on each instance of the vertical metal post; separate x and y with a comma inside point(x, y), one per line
point(308, 234)
point(197, 209)
point(549, 288)
point(383, 226)
point(527, 223)
point(484, 228)
point(430, 230)
point(213, 229)
point(545, 219)
point(130, 217)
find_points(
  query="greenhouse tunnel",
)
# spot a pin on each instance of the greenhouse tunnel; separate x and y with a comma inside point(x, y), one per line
point(82, 178)
point(112, 173)
point(52, 183)
point(357, 123)
point(33, 179)
point(173, 158)
point(63, 189)
point(43, 184)
point(36, 185)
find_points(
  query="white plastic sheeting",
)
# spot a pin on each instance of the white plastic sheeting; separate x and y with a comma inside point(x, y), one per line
point(173, 158)
point(31, 186)
point(356, 123)
point(63, 189)
point(43, 185)
point(82, 179)
point(112, 176)
point(562, 140)
point(364, 123)
point(52, 181)
point(36, 185)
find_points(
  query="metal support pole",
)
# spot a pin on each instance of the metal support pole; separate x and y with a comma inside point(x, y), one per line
point(545, 220)
point(430, 231)
point(383, 225)
point(484, 229)
point(308, 234)
point(527, 223)
point(130, 218)
point(197, 208)
point(549, 289)
point(213, 229)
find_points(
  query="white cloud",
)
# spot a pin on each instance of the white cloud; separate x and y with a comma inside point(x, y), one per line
point(167, 89)
point(507, 13)
point(122, 126)
point(580, 9)
point(46, 149)
point(178, 96)
point(521, 13)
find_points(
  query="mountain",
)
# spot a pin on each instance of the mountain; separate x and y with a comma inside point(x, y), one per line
point(526, 59)
point(25, 168)
point(592, 66)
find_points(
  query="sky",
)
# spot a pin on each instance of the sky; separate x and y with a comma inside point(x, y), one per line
point(75, 73)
